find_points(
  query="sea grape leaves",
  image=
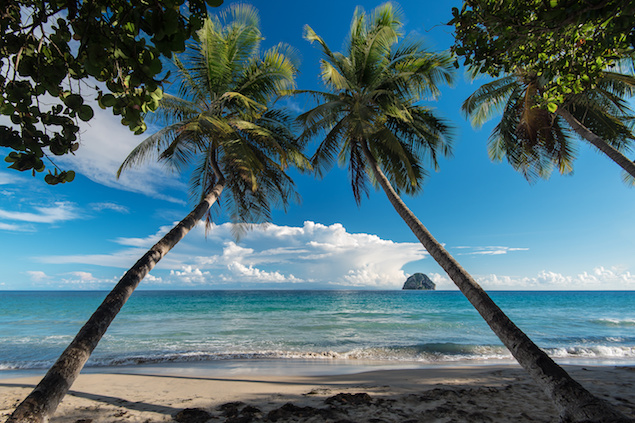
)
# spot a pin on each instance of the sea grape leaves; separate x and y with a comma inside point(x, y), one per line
point(51, 50)
point(568, 42)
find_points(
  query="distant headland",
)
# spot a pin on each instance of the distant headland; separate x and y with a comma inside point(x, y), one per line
point(419, 281)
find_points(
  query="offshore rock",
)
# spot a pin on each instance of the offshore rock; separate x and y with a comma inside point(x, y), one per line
point(419, 281)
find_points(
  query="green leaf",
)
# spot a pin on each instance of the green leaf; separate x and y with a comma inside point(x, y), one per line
point(85, 113)
point(107, 100)
point(73, 101)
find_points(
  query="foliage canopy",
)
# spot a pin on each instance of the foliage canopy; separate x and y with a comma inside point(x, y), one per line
point(373, 103)
point(535, 141)
point(223, 119)
point(568, 43)
point(52, 50)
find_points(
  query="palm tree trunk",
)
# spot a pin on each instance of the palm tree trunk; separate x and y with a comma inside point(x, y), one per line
point(614, 154)
point(43, 401)
point(573, 402)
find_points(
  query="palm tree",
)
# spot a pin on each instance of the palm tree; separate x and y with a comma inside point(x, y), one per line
point(221, 118)
point(370, 119)
point(535, 141)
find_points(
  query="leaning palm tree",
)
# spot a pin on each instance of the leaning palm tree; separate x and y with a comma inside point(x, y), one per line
point(220, 118)
point(535, 141)
point(371, 119)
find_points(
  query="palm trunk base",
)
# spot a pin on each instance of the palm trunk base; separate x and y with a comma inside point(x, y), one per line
point(47, 395)
point(574, 403)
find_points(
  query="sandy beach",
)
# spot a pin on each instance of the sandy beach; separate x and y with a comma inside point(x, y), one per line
point(439, 394)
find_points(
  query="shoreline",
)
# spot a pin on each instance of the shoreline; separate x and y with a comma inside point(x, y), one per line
point(301, 366)
point(457, 392)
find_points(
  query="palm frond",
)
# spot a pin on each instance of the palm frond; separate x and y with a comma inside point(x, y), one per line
point(324, 156)
point(357, 169)
point(150, 148)
point(489, 99)
point(221, 125)
point(174, 109)
point(373, 87)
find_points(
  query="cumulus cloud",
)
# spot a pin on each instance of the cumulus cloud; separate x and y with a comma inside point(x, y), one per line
point(59, 212)
point(83, 276)
point(599, 278)
point(37, 275)
point(313, 255)
point(191, 275)
point(252, 274)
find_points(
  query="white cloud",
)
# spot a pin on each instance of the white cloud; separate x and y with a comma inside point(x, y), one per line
point(146, 242)
point(599, 278)
point(314, 255)
point(191, 275)
point(81, 282)
point(37, 275)
point(120, 259)
point(104, 144)
point(59, 212)
point(15, 228)
point(491, 250)
point(109, 206)
point(83, 276)
point(7, 178)
point(78, 280)
point(252, 274)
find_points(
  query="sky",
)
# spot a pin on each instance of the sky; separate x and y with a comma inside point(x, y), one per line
point(573, 232)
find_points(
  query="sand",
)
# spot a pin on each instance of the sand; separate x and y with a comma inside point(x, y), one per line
point(440, 394)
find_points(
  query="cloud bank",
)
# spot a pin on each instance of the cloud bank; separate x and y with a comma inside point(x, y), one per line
point(313, 256)
point(597, 279)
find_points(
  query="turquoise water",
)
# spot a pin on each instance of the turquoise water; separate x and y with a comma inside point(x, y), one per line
point(390, 326)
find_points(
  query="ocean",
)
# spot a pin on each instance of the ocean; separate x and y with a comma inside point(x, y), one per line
point(287, 329)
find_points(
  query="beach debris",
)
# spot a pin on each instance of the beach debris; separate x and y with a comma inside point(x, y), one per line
point(192, 415)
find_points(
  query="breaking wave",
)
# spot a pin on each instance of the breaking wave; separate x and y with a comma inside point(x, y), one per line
point(436, 353)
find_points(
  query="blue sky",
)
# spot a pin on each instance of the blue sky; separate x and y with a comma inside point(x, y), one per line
point(569, 232)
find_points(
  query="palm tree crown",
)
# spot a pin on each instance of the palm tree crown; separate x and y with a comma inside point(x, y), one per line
point(221, 118)
point(535, 141)
point(372, 103)
point(370, 119)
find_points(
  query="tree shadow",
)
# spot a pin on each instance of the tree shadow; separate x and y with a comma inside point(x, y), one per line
point(105, 399)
